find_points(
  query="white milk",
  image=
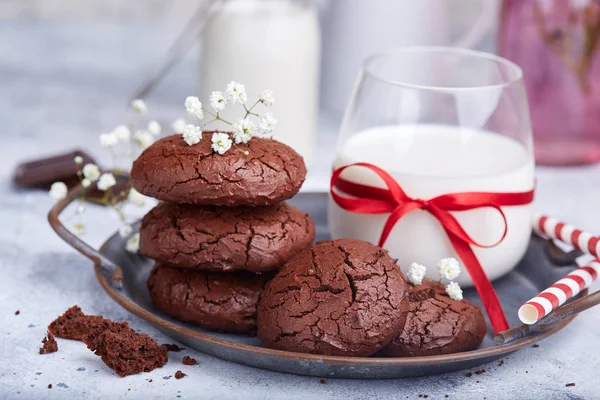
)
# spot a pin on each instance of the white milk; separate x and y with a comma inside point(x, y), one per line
point(268, 44)
point(431, 160)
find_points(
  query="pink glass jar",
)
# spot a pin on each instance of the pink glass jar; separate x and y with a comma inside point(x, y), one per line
point(556, 43)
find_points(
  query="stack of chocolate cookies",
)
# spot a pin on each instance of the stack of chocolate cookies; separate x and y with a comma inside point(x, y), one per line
point(222, 228)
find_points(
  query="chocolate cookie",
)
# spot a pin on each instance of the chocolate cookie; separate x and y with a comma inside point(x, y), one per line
point(173, 171)
point(340, 297)
point(436, 324)
point(216, 301)
point(256, 239)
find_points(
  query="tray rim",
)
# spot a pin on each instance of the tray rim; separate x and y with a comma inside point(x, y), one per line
point(157, 320)
point(109, 275)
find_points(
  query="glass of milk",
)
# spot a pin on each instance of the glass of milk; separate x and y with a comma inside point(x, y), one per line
point(440, 120)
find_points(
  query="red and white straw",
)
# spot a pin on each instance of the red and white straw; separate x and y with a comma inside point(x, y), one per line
point(576, 281)
point(557, 294)
point(555, 229)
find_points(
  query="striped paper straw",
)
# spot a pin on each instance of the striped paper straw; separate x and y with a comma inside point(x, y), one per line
point(557, 294)
point(555, 229)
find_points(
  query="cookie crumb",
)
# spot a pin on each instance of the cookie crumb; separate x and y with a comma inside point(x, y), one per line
point(17, 312)
point(535, 346)
point(446, 396)
point(187, 360)
point(480, 372)
point(570, 384)
point(179, 374)
point(322, 381)
point(469, 374)
point(49, 386)
point(501, 363)
point(476, 381)
point(49, 344)
point(526, 372)
point(150, 380)
point(172, 347)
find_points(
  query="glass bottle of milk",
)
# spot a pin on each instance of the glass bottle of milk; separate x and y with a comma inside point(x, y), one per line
point(268, 44)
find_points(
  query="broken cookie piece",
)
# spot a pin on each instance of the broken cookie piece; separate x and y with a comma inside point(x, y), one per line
point(124, 350)
point(74, 324)
point(49, 344)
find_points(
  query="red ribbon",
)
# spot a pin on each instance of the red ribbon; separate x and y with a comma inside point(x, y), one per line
point(393, 200)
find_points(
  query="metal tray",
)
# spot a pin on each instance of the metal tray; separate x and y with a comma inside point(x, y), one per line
point(123, 276)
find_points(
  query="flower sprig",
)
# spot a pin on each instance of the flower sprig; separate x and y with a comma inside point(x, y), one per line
point(448, 268)
point(122, 144)
point(243, 130)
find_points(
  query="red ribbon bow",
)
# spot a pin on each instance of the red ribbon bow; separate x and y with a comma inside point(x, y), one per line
point(393, 200)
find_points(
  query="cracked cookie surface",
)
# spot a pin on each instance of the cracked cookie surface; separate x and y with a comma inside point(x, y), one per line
point(340, 297)
point(224, 302)
point(436, 324)
point(257, 239)
point(171, 170)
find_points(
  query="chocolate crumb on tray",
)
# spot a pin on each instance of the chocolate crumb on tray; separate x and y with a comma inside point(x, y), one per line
point(17, 312)
point(49, 386)
point(187, 360)
point(571, 384)
point(49, 344)
point(179, 374)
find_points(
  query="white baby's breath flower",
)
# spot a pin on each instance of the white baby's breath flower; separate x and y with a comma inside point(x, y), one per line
point(80, 209)
point(218, 101)
point(122, 133)
point(136, 197)
point(194, 107)
point(449, 268)
point(416, 273)
point(125, 231)
point(78, 160)
point(178, 125)
point(243, 130)
point(154, 128)
point(85, 182)
point(79, 228)
point(106, 181)
point(91, 172)
point(454, 291)
point(133, 243)
point(221, 142)
point(58, 190)
point(267, 123)
point(108, 139)
point(139, 106)
point(236, 93)
point(266, 97)
point(192, 134)
point(143, 139)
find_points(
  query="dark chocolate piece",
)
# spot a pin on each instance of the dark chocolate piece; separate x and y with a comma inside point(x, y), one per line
point(44, 172)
